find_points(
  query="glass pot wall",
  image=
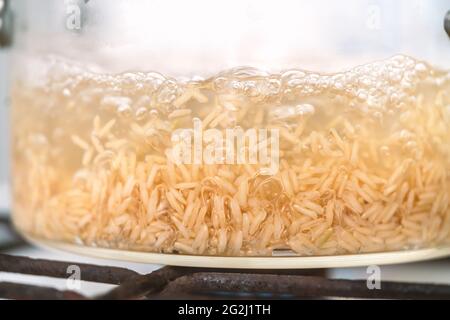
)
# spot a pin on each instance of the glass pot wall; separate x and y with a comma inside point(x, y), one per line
point(227, 128)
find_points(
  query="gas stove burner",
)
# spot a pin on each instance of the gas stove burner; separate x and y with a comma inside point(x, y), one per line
point(200, 283)
point(197, 283)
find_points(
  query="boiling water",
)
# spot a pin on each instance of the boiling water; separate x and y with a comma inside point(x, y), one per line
point(363, 160)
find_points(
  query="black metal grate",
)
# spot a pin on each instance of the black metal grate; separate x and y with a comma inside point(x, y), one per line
point(9, 239)
point(199, 283)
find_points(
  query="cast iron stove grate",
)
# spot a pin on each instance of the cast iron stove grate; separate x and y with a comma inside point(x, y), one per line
point(197, 283)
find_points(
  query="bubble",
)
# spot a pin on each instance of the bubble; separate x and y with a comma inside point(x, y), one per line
point(339, 85)
point(235, 85)
point(246, 72)
point(288, 112)
point(250, 88)
point(122, 105)
point(270, 87)
point(394, 76)
point(406, 85)
point(220, 83)
point(141, 113)
point(66, 92)
point(197, 79)
point(154, 113)
point(115, 101)
point(420, 67)
point(124, 111)
point(362, 95)
point(168, 92)
point(367, 82)
point(293, 83)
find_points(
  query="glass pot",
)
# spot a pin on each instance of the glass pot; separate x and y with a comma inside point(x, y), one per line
point(226, 133)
